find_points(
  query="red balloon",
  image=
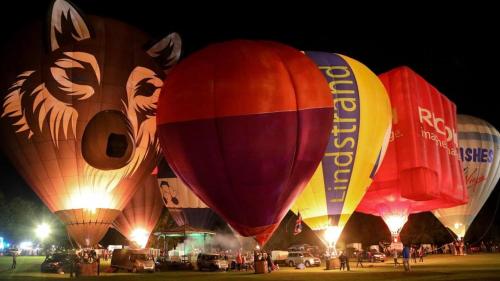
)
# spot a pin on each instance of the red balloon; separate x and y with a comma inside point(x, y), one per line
point(245, 124)
point(421, 170)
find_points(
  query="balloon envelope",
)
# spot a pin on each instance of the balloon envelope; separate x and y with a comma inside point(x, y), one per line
point(361, 130)
point(142, 212)
point(183, 205)
point(421, 170)
point(78, 114)
point(479, 151)
point(244, 124)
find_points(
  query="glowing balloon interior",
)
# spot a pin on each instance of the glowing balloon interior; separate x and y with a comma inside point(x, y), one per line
point(140, 236)
point(332, 234)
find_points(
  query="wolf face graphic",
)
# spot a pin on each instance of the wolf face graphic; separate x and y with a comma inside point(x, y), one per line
point(78, 107)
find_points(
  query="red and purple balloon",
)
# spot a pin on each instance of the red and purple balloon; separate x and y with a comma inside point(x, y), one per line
point(245, 124)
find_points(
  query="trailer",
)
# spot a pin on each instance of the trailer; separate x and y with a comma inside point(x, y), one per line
point(279, 257)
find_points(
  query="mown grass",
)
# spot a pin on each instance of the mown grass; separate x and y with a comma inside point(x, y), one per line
point(434, 268)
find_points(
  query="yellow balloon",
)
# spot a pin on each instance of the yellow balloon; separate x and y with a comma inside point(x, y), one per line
point(360, 134)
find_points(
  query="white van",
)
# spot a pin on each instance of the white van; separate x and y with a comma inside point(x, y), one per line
point(132, 260)
point(296, 258)
point(279, 257)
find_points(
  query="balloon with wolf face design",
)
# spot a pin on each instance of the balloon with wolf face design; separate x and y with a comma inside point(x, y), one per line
point(78, 107)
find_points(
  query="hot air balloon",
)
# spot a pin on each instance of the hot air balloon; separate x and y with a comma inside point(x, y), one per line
point(77, 114)
point(479, 150)
point(361, 130)
point(244, 124)
point(141, 214)
point(183, 205)
point(421, 170)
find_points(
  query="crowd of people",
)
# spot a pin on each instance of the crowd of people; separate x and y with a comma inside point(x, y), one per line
point(246, 261)
point(409, 254)
point(85, 258)
point(459, 248)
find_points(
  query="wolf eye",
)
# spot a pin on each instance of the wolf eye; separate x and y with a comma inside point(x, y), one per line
point(144, 88)
point(77, 71)
point(81, 76)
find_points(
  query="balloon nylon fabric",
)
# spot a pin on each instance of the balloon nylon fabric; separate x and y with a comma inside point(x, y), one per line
point(362, 123)
point(244, 125)
point(143, 210)
point(69, 95)
point(421, 170)
point(183, 205)
point(480, 154)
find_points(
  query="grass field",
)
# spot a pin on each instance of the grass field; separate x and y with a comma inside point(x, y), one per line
point(442, 267)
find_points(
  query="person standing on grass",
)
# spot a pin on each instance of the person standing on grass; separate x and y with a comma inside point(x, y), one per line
point(421, 254)
point(72, 266)
point(14, 261)
point(342, 259)
point(269, 263)
point(360, 259)
point(347, 263)
point(244, 262)
point(395, 256)
point(413, 253)
point(238, 261)
point(406, 258)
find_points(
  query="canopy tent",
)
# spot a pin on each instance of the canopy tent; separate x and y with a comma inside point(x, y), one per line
point(183, 231)
point(194, 238)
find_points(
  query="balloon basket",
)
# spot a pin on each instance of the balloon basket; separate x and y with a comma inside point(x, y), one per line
point(260, 267)
point(88, 269)
point(333, 263)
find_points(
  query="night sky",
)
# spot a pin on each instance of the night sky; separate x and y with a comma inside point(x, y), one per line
point(451, 50)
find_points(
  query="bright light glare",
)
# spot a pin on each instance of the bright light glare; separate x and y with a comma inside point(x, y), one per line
point(395, 223)
point(459, 229)
point(90, 199)
point(42, 231)
point(332, 234)
point(140, 236)
point(26, 245)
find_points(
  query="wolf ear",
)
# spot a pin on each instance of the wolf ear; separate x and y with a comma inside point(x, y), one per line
point(66, 24)
point(167, 51)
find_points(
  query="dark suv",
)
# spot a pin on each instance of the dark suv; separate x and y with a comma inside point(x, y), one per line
point(57, 263)
point(164, 264)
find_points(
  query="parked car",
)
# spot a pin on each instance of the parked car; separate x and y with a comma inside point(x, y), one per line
point(379, 256)
point(164, 264)
point(57, 263)
point(211, 262)
point(295, 258)
point(314, 250)
point(132, 260)
point(375, 256)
